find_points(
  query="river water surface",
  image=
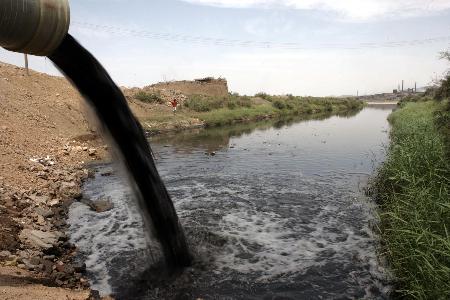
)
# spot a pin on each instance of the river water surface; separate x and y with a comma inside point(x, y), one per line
point(274, 210)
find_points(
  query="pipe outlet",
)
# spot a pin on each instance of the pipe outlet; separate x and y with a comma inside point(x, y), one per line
point(33, 26)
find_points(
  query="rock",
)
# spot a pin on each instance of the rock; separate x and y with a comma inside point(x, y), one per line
point(84, 174)
point(106, 173)
point(91, 174)
point(100, 205)
point(70, 190)
point(29, 264)
point(60, 267)
point(53, 202)
point(4, 255)
point(85, 148)
point(42, 175)
point(48, 266)
point(11, 263)
point(45, 161)
point(69, 269)
point(38, 199)
point(22, 254)
point(92, 151)
point(35, 260)
point(40, 220)
point(79, 267)
point(40, 239)
point(4, 128)
point(44, 212)
point(103, 205)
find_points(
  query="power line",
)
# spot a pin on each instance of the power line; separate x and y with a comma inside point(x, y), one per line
point(207, 41)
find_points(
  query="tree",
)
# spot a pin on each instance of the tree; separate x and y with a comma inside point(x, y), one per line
point(443, 91)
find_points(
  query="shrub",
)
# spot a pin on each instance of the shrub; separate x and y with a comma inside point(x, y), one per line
point(149, 97)
point(279, 104)
point(201, 103)
point(262, 95)
point(443, 91)
point(231, 105)
point(238, 101)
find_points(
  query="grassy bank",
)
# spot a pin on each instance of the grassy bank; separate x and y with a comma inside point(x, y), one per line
point(413, 191)
point(219, 111)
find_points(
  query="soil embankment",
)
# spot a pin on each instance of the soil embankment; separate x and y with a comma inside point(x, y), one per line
point(45, 142)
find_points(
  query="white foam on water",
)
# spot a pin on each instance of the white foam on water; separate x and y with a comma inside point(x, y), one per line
point(267, 245)
point(283, 250)
point(102, 237)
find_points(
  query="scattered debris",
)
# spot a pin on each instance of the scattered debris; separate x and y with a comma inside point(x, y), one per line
point(45, 161)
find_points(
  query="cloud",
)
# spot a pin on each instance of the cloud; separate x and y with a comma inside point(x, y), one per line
point(349, 10)
point(274, 24)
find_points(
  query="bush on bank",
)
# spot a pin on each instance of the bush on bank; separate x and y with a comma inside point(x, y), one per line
point(149, 97)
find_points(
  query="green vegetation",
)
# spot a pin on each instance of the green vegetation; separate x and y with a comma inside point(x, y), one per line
point(413, 191)
point(443, 90)
point(234, 108)
point(198, 110)
point(149, 97)
point(201, 103)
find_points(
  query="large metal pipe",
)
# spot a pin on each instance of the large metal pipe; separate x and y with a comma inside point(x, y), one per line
point(33, 26)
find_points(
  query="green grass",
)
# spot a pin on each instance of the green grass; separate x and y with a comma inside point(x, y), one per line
point(199, 103)
point(217, 111)
point(200, 110)
point(412, 188)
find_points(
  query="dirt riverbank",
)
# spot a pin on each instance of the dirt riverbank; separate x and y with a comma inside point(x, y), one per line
point(45, 142)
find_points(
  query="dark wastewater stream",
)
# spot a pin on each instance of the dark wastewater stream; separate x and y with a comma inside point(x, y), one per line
point(274, 210)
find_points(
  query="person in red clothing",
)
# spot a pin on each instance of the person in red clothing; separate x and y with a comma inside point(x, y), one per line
point(174, 103)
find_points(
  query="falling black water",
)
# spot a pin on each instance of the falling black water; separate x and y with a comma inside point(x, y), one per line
point(112, 110)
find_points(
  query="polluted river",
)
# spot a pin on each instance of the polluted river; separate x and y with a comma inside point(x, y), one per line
point(272, 210)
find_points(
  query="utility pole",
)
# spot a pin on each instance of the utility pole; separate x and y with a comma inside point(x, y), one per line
point(26, 64)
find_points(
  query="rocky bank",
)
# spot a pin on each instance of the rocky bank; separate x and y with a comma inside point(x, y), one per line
point(45, 145)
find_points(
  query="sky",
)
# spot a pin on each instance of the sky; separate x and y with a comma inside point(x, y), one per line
point(300, 47)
